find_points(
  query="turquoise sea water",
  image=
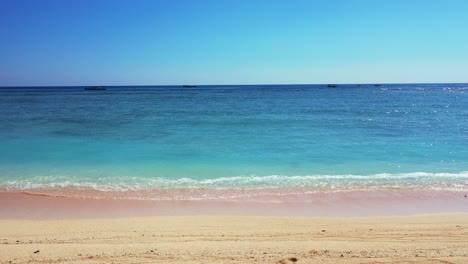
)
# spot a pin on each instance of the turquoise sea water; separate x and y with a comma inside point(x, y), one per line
point(308, 136)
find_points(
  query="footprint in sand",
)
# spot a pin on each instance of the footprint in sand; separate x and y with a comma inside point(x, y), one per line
point(287, 261)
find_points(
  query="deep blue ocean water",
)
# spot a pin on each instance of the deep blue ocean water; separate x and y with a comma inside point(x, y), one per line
point(395, 136)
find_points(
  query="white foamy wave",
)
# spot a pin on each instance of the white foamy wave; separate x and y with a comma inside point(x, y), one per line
point(457, 181)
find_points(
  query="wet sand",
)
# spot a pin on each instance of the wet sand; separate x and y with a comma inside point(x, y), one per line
point(37, 205)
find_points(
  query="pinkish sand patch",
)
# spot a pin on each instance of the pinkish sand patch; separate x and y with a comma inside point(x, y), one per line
point(19, 205)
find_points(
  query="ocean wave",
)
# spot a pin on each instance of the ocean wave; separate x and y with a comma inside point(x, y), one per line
point(130, 183)
point(455, 88)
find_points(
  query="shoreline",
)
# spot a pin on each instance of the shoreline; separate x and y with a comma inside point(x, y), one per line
point(40, 206)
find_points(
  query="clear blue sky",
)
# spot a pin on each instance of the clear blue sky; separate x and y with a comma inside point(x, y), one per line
point(112, 42)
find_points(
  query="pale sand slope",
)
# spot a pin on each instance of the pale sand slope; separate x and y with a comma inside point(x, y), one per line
point(237, 239)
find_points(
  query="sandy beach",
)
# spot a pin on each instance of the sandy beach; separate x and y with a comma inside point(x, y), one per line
point(45, 229)
point(237, 239)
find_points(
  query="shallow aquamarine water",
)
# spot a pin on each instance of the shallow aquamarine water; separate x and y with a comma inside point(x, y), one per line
point(235, 136)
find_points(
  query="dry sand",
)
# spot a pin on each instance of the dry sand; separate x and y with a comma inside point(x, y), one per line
point(237, 239)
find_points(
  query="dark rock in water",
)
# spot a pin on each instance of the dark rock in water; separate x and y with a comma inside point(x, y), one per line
point(95, 88)
point(377, 85)
point(189, 86)
point(331, 86)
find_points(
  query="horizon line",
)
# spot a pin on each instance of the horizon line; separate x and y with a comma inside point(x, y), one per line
point(265, 84)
